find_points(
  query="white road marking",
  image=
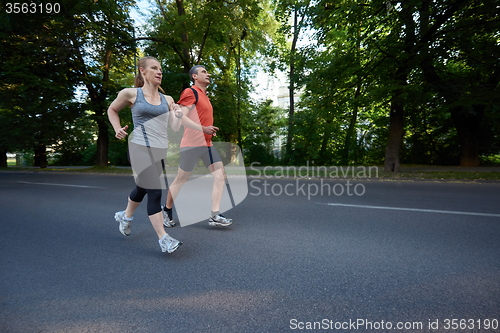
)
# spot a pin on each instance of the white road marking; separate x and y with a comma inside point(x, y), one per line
point(55, 184)
point(411, 209)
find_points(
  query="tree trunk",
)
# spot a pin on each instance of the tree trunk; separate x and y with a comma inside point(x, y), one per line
point(467, 123)
point(291, 113)
point(101, 114)
point(102, 143)
point(3, 159)
point(351, 130)
point(469, 155)
point(396, 133)
point(323, 151)
point(40, 158)
point(239, 137)
point(184, 53)
point(297, 25)
point(397, 117)
point(291, 88)
point(184, 35)
point(98, 102)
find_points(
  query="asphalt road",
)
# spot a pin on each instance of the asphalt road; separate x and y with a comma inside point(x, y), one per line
point(391, 255)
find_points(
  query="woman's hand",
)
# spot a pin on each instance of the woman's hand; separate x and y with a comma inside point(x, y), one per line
point(121, 133)
point(177, 110)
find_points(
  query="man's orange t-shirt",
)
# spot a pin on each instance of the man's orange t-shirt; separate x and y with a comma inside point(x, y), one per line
point(202, 113)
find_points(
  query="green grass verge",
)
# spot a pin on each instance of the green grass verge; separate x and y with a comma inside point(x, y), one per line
point(443, 175)
point(430, 175)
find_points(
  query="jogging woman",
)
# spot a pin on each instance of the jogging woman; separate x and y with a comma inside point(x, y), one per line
point(147, 146)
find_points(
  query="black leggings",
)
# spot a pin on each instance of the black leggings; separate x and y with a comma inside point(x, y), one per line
point(148, 168)
point(154, 198)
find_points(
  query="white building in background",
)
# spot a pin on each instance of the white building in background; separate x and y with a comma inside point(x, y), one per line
point(283, 97)
point(283, 100)
point(275, 88)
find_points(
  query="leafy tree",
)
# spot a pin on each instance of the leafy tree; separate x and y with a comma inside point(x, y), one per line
point(341, 90)
point(47, 56)
point(418, 60)
point(37, 84)
point(423, 31)
point(293, 17)
point(101, 36)
point(262, 128)
point(226, 37)
point(462, 66)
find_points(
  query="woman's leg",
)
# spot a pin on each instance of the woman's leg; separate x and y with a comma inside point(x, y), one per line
point(157, 222)
point(154, 212)
point(131, 207)
point(124, 218)
point(134, 200)
point(167, 243)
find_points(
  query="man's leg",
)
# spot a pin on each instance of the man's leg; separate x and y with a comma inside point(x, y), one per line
point(181, 178)
point(217, 170)
point(216, 218)
point(188, 159)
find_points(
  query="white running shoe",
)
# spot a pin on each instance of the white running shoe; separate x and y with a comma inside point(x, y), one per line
point(168, 221)
point(219, 221)
point(169, 244)
point(124, 223)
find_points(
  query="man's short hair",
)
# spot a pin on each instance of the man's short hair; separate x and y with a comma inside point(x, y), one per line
point(194, 70)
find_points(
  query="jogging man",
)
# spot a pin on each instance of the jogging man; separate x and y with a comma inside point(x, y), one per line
point(197, 144)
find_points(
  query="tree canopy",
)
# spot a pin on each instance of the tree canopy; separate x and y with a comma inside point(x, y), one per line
point(380, 82)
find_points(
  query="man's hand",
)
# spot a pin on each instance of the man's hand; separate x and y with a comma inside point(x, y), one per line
point(210, 130)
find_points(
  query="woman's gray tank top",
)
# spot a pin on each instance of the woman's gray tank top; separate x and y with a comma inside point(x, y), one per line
point(150, 122)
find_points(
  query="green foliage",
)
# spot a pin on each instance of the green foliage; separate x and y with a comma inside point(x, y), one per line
point(47, 59)
point(262, 127)
point(226, 38)
point(37, 83)
point(435, 62)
